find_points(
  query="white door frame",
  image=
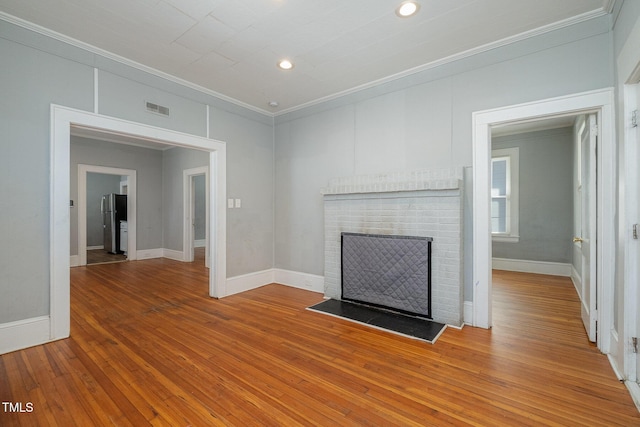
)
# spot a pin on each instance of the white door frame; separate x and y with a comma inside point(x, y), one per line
point(628, 76)
point(631, 245)
point(602, 103)
point(62, 118)
point(188, 202)
point(82, 208)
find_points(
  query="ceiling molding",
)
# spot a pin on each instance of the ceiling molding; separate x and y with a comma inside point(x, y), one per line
point(456, 57)
point(452, 58)
point(122, 60)
point(118, 138)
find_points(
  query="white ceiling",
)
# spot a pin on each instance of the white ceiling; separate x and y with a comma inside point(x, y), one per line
point(231, 47)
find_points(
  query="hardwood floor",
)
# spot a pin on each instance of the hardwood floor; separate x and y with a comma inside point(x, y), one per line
point(149, 347)
point(100, 256)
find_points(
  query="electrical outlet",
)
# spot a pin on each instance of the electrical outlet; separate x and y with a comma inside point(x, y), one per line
point(238, 203)
point(230, 203)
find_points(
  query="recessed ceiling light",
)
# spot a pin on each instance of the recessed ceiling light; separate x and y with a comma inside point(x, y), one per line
point(285, 64)
point(407, 8)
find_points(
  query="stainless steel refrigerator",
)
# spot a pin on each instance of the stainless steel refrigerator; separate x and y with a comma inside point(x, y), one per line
point(114, 210)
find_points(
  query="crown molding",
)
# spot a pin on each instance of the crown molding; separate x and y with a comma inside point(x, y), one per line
point(605, 10)
point(128, 62)
point(462, 55)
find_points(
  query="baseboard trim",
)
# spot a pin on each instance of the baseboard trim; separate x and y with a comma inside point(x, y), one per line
point(200, 243)
point(149, 253)
point(294, 279)
point(172, 254)
point(537, 267)
point(467, 313)
point(25, 333)
point(634, 391)
point(309, 282)
point(74, 261)
point(247, 282)
point(93, 248)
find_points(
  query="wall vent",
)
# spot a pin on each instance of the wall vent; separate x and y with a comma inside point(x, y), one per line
point(158, 109)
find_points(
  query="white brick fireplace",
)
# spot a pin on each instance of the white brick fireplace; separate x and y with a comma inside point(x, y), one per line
point(426, 203)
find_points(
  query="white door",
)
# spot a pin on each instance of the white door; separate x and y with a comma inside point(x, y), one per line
point(636, 231)
point(586, 241)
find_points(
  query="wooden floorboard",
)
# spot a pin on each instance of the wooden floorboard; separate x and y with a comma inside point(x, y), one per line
point(101, 256)
point(149, 347)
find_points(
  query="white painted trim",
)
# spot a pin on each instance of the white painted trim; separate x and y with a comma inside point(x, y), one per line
point(95, 248)
point(576, 279)
point(309, 282)
point(456, 57)
point(24, 333)
point(513, 189)
point(172, 254)
point(628, 76)
point(634, 391)
point(536, 267)
point(294, 279)
point(505, 238)
point(95, 91)
point(74, 261)
point(249, 281)
point(132, 209)
point(602, 102)
point(62, 118)
point(150, 253)
point(467, 313)
point(187, 212)
point(207, 112)
point(200, 243)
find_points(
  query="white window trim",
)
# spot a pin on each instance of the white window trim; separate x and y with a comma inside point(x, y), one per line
point(513, 192)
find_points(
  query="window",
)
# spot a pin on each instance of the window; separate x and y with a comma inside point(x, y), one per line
point(504, 195)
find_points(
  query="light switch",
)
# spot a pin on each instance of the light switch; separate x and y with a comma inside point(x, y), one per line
point(238, 203)
point(230, 203)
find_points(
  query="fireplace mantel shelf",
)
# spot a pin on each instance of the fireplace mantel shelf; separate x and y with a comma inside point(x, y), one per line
point(390, 187)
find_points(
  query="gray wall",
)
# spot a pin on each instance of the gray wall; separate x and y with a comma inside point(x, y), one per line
point(546, 196)
point(30, 80)
point(148, 166)
point(174, 162)
point(250, 171)
point(421, 121)
point(249, 178)
point(98, 184)
point(200, 208)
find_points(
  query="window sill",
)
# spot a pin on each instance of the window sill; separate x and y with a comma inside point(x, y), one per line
point(505, 238)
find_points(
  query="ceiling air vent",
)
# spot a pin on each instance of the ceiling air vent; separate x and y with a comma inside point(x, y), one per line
point(158, 109)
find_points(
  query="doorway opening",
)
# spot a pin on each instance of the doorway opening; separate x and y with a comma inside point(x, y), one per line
point(599, 102)
point(196, 213)
point(93, 214)
point(62, 121)
point(543, 203)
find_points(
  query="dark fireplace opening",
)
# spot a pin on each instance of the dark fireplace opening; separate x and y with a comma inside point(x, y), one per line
point(387, 271)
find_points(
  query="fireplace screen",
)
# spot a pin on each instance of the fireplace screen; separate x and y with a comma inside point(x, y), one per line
point(387, 271)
